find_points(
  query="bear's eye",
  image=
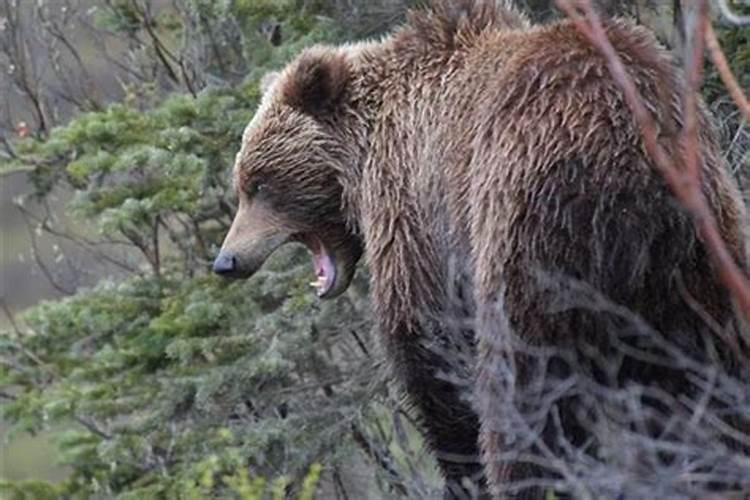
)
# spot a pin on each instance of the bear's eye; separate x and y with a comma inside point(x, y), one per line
point(255, 188)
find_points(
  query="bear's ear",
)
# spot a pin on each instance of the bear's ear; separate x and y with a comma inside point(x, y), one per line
point(316, 82)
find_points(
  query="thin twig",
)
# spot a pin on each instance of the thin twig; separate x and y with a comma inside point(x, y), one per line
point(11, 317)
point(39, 260)
point(80, 240)
point(19, 344)
point(733, 18)
point(92, 427)
point(7, 396)
point(725, 72)
point(694, 76)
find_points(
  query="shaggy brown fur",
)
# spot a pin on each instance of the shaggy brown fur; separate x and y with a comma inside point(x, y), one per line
point(467, 153)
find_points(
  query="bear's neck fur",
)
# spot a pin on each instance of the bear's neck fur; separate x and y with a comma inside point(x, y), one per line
point(386, 75)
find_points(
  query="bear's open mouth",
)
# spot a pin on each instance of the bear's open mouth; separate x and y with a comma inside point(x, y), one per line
point(323, 262)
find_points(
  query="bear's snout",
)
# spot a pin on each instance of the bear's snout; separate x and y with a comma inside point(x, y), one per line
point(225, 263)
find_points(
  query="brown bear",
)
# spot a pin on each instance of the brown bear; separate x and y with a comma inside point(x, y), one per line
point(483, 165)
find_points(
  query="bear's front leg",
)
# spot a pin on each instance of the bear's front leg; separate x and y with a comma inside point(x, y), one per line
point(450, 426)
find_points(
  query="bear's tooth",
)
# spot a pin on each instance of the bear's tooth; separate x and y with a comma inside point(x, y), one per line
point(320, 283)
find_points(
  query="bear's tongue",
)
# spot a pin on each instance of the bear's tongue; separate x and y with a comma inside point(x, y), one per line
point(325, 270)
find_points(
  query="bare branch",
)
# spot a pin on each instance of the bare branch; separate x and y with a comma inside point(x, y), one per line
point(80, 240)
point(11, 317)
point(41, 264)
point(92, 427)
point(730, 16)
point(725, 72)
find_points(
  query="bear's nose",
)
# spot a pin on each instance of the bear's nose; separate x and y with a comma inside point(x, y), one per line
point(225, 263)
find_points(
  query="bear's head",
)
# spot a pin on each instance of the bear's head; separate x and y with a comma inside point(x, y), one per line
point(289, 174)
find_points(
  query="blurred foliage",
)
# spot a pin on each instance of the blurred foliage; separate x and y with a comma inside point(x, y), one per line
point(168, 382)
